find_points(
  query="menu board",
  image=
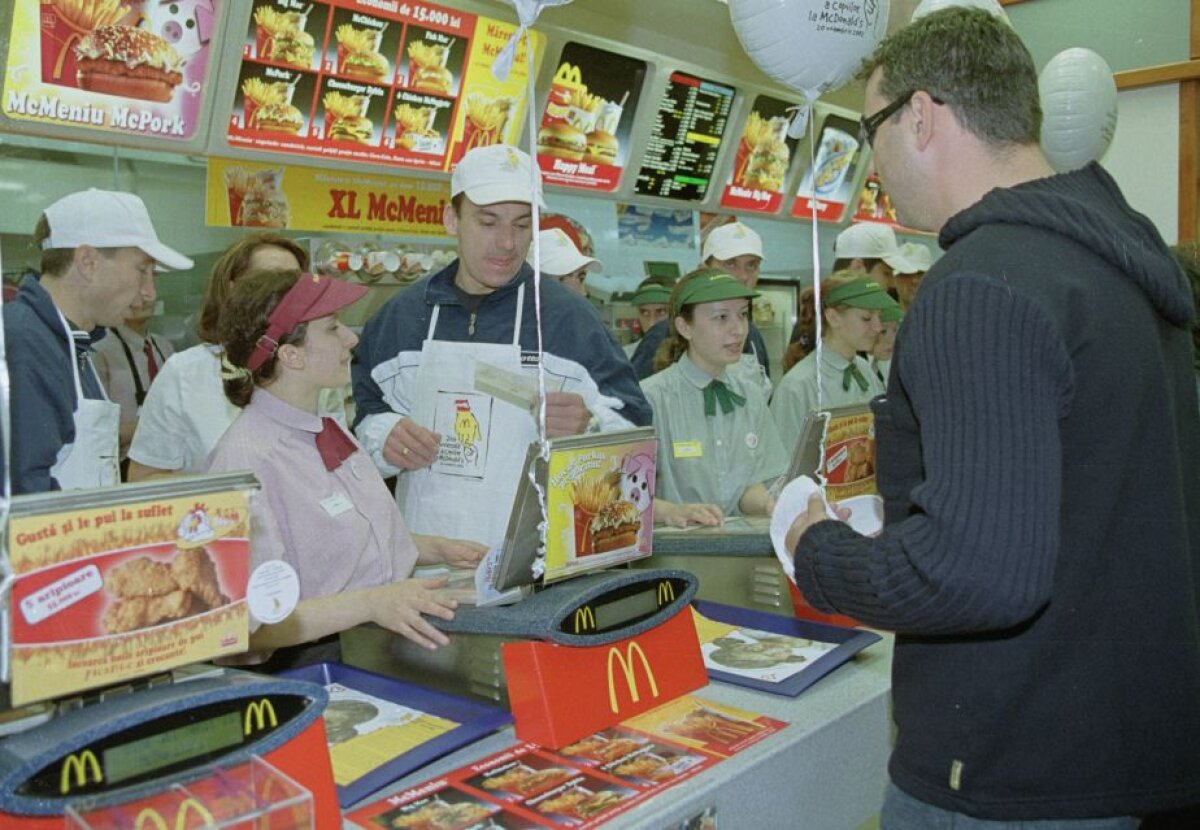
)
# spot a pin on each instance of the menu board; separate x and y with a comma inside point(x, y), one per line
point(378, 81)
point(133, 68)
point(584, 135)
point(828, 185)
point(688, 129)
point(764, 154)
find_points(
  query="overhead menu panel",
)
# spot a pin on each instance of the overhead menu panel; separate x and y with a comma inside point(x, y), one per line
point(689, 127)
point(378, 81)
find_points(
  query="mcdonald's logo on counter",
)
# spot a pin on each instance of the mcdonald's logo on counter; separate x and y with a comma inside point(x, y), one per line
point(559, 694)
point(258, 711)
point(585, 619)
point(81, 764)
point(151, 819)
point(625, 660)
point(666, 592)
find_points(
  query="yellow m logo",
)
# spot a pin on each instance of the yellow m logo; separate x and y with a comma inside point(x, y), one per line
point(585, 619)
point(666, 592)
point(259, 711)
point(150, 819)
point(81, 765)
point(627, 669)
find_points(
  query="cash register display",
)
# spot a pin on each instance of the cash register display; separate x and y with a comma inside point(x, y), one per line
point(164, 746)
point(626, 609)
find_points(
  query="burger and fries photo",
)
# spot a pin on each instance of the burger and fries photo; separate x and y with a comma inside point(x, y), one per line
point(763, 155)
point(358, 53)
point(345, 119)
point(280, 37)
point(414, 130)
point(578, 126)
point(427, 70)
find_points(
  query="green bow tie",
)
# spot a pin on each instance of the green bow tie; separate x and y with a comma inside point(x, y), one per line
point(852, 373)
point(717, 392)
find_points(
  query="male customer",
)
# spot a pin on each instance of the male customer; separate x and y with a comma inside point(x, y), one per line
point(99, 252)
point(445, 375)
point(736, 248)
point(1037, 454)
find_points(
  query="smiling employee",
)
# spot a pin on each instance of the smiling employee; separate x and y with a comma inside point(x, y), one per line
point(717, 445)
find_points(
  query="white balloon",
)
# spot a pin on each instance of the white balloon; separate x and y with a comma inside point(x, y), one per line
point(1079, 108)
point(809, 45)
point(992, 7)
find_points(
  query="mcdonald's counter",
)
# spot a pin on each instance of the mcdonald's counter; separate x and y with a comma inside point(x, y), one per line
point(827, 766)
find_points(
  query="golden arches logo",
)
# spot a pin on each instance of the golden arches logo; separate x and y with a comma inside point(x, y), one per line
point(666, 592)
point(81, 765)
point(150, 819)
point(627, 670)
point(259, 711)
point(585, 619)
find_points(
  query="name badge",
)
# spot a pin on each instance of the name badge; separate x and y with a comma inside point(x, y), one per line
point(687, 449)
point(337, 504)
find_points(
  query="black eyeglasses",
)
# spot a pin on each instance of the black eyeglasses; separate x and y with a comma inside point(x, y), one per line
point(868, 125)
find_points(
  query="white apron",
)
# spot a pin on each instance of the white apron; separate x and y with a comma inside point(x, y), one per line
point(468, 493)
point(91, 461)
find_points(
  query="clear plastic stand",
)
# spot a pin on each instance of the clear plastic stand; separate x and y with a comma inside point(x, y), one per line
point(249, 796)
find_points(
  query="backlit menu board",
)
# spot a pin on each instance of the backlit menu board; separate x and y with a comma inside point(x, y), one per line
point(827, 188)
point(137, 68)
point(584, 136)
point(688, 129)
point(379, 81)
point(764, 153)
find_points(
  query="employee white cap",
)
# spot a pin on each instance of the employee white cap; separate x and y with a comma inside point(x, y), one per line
point(495, 173)
point(731, 240)
point(107, 219)
point(918, 255)
point(872, 240)
point(560, 256)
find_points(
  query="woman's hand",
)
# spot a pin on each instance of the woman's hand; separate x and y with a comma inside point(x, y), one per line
point(455, 553)
point(398, 607)
point(682, 515)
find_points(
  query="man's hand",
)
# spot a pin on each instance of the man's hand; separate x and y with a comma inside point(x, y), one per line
point(565, 414)
point(815, 513)
point(410, 446)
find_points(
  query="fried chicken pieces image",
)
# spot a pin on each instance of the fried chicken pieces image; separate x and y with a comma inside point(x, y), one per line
point(148, 592)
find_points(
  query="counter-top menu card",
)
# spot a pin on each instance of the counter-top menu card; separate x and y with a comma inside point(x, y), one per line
point(688, 129)
point(378, 81)
point(764, 153)
point(584, 135)
point(69, 65)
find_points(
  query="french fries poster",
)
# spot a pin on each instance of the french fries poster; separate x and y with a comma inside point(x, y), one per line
point(136, 67)
point(583, 140)
point(828, 185)
point(397, 84)
point(764, 154)
point(600, 506)
point(108, 594)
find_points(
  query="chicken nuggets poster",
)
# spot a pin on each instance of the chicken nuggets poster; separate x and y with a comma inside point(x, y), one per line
point(108, 594)
point(124, 66)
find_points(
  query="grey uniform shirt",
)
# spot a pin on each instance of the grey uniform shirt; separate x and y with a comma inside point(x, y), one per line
point(796, 394)
point(710, 459)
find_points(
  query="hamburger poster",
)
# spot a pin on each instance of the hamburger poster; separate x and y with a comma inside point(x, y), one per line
point(764, 153)
point(134, 67)
point(374, 81)
point(584, 135)
point(599, 506)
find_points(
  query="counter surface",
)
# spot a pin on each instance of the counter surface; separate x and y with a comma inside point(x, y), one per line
point(825, 771)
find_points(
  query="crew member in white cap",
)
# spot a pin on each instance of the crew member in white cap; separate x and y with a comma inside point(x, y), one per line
point(733, 247)
point(425, 372)
point(872, 248)
point(563, 262)
point(907, 282)
point(99, 253)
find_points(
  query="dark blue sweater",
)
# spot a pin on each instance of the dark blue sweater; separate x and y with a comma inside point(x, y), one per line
point(1038, 454)
point(42, 391)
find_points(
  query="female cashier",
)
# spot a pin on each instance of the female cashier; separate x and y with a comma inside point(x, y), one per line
point(717, 446)
point(323, 508)
point(852, 304)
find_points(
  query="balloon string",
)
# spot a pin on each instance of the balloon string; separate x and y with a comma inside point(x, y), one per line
point(818, 308)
